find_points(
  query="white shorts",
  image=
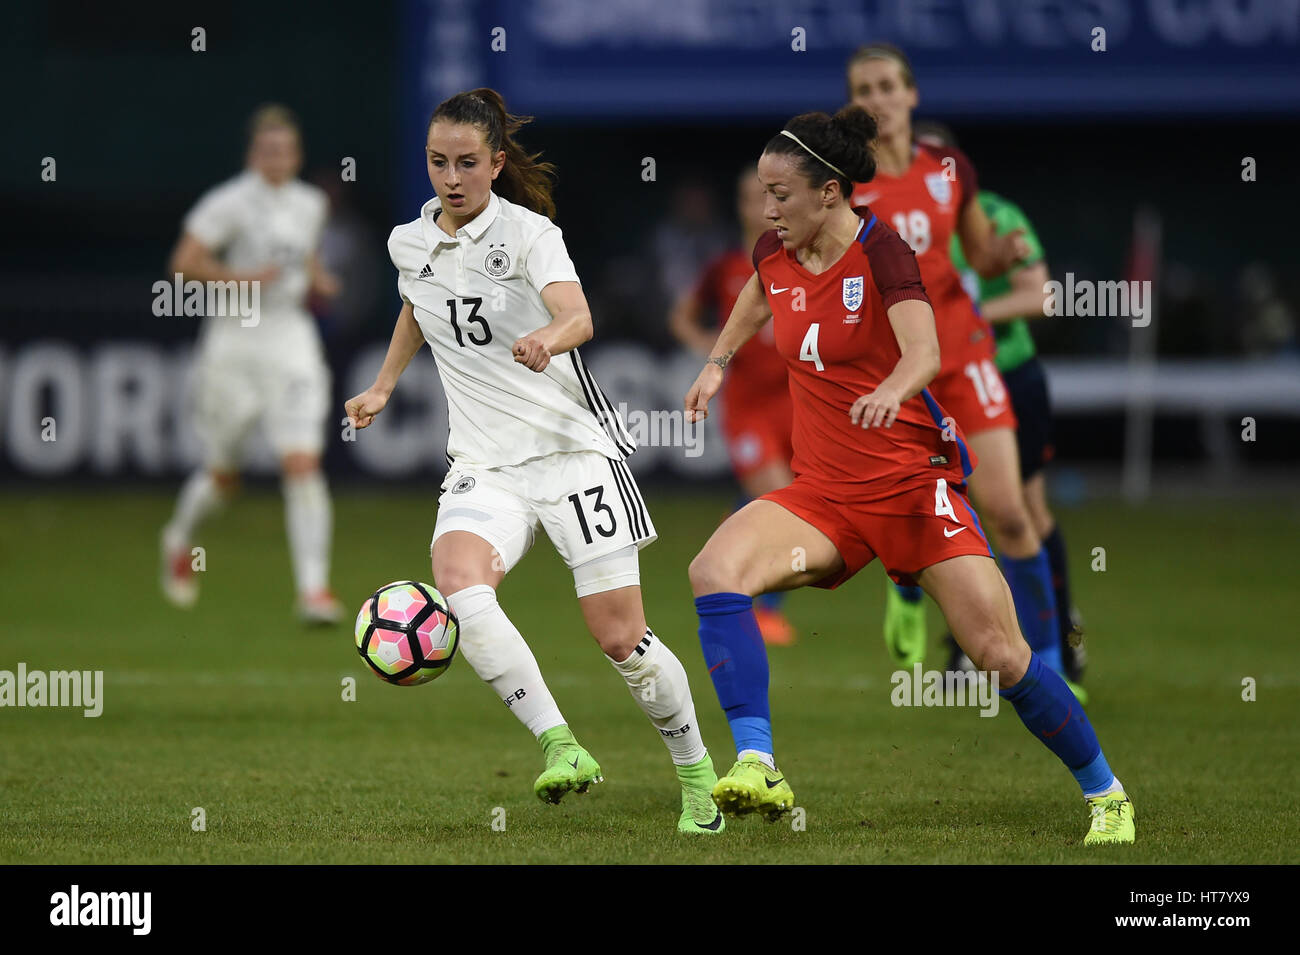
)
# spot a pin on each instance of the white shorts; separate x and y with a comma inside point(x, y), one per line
point(588, 504)
point(284, 383)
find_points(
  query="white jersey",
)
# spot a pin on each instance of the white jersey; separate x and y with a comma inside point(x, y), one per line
point(250, 224)
point(474, 294)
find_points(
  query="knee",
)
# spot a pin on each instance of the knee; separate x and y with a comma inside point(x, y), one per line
point(452, 579)
point(299, 464)
point(618, 639)
point(227, 482)
point(1001, 650)
point(1011, 525)
point(710, 573)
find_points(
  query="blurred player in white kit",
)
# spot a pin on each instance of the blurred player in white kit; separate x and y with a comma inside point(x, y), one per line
point(263, 226)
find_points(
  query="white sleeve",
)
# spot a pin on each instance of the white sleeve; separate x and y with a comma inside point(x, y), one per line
point(548, 260)
point(212, 220)
point(320, 217)
point(392, 256)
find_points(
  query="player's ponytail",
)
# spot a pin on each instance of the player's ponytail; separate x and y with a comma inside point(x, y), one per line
point(522, 179)
point(826, 147)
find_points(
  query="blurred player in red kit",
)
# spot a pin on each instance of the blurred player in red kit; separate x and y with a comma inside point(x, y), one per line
point(926, 193)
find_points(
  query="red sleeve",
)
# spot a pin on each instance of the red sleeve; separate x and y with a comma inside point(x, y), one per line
point(893, 266)
point(767, 244)
point(705, 291)
point(967, 180)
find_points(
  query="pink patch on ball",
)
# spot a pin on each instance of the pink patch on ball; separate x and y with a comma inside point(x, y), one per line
point(400, 605)
point(430, 631)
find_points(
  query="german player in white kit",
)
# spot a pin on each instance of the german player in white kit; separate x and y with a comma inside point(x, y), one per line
point(486, 280)
point(262, 226)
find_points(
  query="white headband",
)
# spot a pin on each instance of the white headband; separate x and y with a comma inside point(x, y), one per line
point(786, 132)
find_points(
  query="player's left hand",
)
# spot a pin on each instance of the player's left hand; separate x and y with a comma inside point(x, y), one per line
point(876, 410)
point(1010, 249)
point(326, 284)
point(532, 352)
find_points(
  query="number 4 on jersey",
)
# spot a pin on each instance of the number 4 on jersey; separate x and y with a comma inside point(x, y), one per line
point(808, 350)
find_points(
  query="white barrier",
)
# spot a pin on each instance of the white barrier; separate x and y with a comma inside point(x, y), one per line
point(121, 407)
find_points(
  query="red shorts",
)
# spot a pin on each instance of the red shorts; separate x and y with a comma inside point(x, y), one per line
point(909, 532)
point(976, 397)
point(758, 435)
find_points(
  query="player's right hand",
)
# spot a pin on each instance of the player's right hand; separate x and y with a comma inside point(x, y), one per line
point(362, 409)
point(267, 273)
point(705, 387)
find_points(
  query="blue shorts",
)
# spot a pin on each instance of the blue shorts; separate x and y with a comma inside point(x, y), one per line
point(1027, 385)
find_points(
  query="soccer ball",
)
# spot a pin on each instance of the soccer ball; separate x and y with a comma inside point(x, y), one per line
point(406, 633)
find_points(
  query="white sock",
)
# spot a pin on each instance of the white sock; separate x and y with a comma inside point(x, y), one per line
point(766, 758)
point(1112, 786)
point(199, 497)
point(309, 519)
point(658, 683)
point(496, 651)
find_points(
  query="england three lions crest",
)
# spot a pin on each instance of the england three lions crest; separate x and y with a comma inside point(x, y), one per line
point(853, 293)
point(940, 187)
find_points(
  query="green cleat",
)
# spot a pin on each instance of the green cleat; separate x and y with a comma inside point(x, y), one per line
point(904, 628)
point(569, 767)
point(753, 787)
point(1112, 819)
point(699, 814)
point(1079, 692)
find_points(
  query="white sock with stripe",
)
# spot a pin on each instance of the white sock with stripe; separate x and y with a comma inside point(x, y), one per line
point(658, 683)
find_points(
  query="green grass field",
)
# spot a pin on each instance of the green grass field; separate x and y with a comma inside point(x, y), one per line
point(233, 707)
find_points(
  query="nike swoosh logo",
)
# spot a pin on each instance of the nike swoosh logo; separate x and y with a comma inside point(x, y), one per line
point(776, 291)
point(946, 533)
point(773, 785)
point(718, 664)
point(574, 764)
point(713, 826)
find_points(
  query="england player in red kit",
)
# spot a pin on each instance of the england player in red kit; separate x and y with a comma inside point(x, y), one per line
point(878, 471)
point(757, 412)
point(928, 193)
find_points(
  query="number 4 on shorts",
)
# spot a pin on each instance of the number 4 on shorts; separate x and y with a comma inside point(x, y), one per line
point(942, 506)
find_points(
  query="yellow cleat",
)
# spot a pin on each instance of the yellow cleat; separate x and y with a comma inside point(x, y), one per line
point(1112, 819)
point(752, 786)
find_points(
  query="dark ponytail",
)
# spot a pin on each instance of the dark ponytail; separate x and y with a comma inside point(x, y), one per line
point(843, 140)
point(522, 179)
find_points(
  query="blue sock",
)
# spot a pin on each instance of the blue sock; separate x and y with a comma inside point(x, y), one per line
point(1054, 544)
point(1030, 580)
point(771, 601)
point(737, 662)
point(911, 594)
point(1049, 710)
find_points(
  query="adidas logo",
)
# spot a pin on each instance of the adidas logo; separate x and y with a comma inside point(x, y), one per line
point(425, 272)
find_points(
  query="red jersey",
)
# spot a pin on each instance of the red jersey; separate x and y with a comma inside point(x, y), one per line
point(757, 370)
point(923, 206)
point(835, 336)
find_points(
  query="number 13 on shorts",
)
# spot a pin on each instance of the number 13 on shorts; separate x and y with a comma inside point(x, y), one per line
point(599, 511)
